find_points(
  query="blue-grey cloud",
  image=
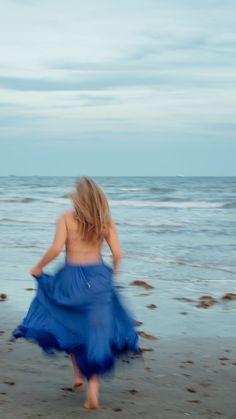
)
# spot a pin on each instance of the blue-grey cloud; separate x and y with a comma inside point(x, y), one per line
point(125, 71)
point(114, 80)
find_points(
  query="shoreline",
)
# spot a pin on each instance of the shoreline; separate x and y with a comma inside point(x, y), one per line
point(183, 376)
point(166, 308)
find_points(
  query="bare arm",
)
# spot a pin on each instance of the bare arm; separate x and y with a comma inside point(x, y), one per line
point(56, 247)
point(113, 242)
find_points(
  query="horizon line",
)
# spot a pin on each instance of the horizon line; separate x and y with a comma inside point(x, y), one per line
point(181, 176)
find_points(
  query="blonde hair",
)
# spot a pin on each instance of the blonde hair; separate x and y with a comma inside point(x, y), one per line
point(91, 209)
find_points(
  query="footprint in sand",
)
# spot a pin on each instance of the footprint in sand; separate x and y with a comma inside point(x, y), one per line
point(133, 391)
point(191, 390)
point(70, 389)
point(189, 361)
point(194, 401)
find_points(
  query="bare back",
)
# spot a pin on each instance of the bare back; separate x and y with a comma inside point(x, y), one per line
point(77, 251)
point(67, 234)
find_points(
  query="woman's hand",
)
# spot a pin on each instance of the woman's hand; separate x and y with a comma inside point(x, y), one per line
point(35, 271)
point(54, 249)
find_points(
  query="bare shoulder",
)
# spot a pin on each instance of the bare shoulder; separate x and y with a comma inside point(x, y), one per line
point(70, 220)
point(112, 228)
point(66, 216)
point(113, 225)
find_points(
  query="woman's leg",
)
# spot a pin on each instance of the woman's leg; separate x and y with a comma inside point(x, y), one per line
point(78, 377)
point(92, 394)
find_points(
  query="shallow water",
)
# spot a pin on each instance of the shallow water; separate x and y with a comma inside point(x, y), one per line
point(178, 233)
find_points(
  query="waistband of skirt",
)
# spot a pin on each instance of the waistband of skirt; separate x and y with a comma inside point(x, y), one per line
point(88, 265)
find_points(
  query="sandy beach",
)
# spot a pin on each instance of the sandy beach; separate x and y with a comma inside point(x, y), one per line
point(180, 244)
point(183, 375)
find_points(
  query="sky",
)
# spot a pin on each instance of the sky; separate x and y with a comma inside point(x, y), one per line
point(128, 87)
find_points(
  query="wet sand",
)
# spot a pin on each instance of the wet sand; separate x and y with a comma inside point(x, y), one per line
point(188, 366)
point(181, 377)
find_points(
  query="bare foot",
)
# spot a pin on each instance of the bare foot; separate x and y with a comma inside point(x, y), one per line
point(92, 395)
point(78, 376)
point(78, 387)
point(78, 384)
point(91, 405)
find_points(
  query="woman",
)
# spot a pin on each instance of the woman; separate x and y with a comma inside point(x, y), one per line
point(77, 310)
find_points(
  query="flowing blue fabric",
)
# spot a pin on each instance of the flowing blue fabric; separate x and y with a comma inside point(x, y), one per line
point(78, 310)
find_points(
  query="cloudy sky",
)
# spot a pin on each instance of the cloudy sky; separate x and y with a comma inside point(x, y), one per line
point(128, 87)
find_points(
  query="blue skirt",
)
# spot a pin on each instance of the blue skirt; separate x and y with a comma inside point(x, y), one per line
point(78, 310)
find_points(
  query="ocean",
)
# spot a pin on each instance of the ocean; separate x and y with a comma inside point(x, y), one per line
point(177, 233)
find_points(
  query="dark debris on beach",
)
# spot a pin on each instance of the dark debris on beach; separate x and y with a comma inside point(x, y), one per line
point(152, 306)
point(206, 301)
point(142, 284)
point(138, 323)
point(229, 296)
point(146, 335)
